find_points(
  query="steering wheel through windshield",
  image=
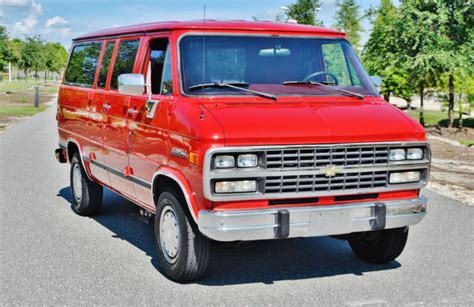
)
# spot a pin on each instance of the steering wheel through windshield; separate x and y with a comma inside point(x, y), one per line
point(321, 73)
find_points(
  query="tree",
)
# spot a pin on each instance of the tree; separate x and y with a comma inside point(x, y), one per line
point(420, 41)
point(33, 55)
point(55, 57)
point(15, 46)
point(458, 44)
point(304, 11)
point(348, 20)
point(381, 51)
point(4, 50)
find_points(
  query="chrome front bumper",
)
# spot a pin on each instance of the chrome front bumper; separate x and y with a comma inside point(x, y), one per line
point(314, 221)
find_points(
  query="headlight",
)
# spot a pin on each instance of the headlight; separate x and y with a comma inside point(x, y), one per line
point(248, 160)
point(404, 177)
point(414, 153)
point(236, 186)
point(397, 154)
point(224, 162)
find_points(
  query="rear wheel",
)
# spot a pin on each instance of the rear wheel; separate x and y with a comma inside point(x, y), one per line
point(183, 252)
point(379, 246)
point(86, 194)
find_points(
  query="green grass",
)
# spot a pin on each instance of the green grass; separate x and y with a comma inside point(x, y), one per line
point(16, 86)
point(467, 143)
point(440, 118)
point(20, 110)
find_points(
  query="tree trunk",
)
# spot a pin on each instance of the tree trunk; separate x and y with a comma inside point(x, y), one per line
point(386, 96)
point(422, 115)
point(26, 74)
point(450, 100)
point(9, 71)
point(460, 111)
point(45, 75)
point(408, 104)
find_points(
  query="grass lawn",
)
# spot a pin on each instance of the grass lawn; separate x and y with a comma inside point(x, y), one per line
point(16, 86)
point(20, 110)
point(440, 118)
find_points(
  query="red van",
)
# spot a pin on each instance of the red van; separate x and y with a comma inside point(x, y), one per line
point(239, 131)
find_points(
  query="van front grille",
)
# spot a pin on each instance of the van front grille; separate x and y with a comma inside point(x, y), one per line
point(320, 182)
point(316, 157)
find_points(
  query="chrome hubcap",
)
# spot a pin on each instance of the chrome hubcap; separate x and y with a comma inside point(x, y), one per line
point(169, 234)
point(77, 182)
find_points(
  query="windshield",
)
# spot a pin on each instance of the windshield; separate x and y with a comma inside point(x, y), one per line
point(269, 64)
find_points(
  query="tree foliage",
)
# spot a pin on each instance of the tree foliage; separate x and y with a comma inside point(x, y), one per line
point(305, 11)
point(348, 20)
point(4, 48)
point(381, 52)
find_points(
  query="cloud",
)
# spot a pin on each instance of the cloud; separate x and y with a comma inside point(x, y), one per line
point(56, 21)
point(14, 2)
point(36, 8)
point(26, 25)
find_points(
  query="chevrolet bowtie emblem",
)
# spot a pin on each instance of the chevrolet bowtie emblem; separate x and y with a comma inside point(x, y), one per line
point(330, 170)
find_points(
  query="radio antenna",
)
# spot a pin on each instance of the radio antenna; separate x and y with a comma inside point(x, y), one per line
point(203, 57)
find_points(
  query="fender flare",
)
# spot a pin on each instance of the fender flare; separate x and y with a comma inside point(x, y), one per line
point(78, 145)
point(185, 187)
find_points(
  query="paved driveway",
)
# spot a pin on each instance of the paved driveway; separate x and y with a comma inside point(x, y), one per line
point(49, 255)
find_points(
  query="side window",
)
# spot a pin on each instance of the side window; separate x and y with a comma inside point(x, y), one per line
point(335, 61)
point(167, 82)
point(83, 64)
point(160, 67)
point(124, 61)
point(104, 67)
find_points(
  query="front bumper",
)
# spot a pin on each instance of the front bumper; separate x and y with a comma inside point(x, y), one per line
point(314, 221)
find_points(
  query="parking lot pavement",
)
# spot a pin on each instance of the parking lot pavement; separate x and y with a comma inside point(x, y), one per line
point(49, 255)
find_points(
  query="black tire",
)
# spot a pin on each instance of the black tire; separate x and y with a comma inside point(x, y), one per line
point(189, 255)
point(86, 194)
point(379, 246)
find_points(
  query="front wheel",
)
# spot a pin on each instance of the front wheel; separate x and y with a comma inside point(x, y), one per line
point(183, 252)
point(86, 194)
point(379, 246)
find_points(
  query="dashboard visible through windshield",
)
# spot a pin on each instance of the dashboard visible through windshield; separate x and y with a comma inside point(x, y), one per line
point(281, 66)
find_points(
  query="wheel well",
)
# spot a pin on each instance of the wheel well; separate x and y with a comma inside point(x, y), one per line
point(71, 150)
point(164, 183)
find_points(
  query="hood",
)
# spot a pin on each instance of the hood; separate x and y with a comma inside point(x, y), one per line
point(279, 123)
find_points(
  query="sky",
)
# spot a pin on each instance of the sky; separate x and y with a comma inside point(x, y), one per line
point(62, 20)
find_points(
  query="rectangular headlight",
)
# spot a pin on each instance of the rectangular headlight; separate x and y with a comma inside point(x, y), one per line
point(414, 153)
point(405, 177)
point(224, 162)
point(222, 187)
point(247, 160)
point(397, 154)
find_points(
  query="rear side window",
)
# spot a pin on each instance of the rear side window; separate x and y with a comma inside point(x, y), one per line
point(83, 64)
point(124, 61)
point(104, 67)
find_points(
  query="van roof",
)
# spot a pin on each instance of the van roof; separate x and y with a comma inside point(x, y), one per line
point(210, 24)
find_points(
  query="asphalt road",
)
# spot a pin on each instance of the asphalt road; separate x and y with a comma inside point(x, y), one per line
point(51, 256)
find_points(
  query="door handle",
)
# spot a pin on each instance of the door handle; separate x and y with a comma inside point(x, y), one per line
point(132, 111)
point(106, 107)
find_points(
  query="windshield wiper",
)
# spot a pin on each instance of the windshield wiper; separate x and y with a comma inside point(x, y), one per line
point(326, 86)
point(233, 85)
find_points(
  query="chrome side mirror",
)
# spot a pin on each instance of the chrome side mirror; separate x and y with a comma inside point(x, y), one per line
point(377, 82)
point(131, 84)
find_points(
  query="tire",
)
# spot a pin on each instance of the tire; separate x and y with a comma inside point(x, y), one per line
point(183, 252)
point(379, 246)
point(86, 194)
